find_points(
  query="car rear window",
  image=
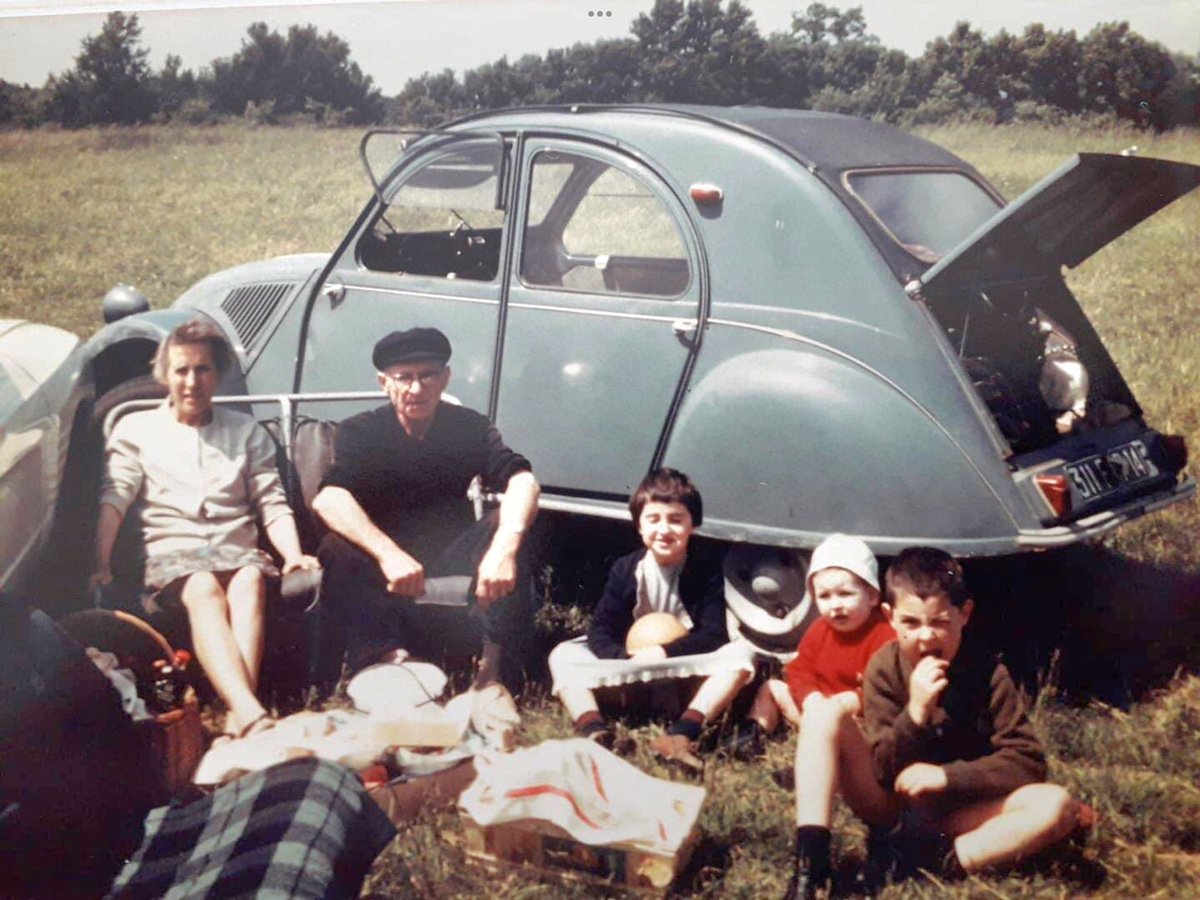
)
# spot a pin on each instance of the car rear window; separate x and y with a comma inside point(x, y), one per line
point(926, 212)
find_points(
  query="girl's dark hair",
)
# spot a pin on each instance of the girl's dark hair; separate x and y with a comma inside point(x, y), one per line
point(667, 486)
point(197, 331)
point(926, 572)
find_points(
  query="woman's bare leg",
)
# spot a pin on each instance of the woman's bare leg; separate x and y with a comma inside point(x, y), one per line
point(247, 596)
point(216, 649)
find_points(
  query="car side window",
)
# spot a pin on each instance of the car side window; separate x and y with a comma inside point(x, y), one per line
point(596, 228)
point(441, 220)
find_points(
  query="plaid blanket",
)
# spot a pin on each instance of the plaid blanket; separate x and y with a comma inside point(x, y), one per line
point(304, 828)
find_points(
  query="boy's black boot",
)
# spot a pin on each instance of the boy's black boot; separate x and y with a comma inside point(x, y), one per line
point(812, 865)
point(885, 862)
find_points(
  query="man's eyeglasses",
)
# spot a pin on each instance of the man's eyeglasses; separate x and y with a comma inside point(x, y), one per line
point(406, 380)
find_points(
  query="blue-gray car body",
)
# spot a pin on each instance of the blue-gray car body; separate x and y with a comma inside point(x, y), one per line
point(830, 324)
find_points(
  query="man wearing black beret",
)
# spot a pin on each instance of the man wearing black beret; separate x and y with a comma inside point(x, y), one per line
point(404, 542)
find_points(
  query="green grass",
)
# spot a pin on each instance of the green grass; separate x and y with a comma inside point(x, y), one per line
point(162, 207)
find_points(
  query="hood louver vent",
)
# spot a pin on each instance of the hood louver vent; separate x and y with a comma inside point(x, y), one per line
point(250, 307)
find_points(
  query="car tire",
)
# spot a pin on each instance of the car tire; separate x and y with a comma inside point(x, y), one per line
point(143, 387)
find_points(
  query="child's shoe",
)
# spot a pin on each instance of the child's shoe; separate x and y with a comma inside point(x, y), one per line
point(1085, 819)
point(677, 749)
point(885, 863)
point(812, 864)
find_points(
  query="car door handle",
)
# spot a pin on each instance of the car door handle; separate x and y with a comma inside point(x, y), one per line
point(334, 293)
point(685, 329)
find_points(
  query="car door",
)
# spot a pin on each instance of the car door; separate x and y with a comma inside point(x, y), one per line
point(429, 256)
point(602, 318)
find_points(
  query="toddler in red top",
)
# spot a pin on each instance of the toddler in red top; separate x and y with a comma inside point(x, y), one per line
point(825, 683)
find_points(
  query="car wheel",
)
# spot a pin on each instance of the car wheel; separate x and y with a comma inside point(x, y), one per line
point(144, 387)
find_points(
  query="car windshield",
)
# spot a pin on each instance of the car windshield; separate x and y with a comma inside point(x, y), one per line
point(926, 212)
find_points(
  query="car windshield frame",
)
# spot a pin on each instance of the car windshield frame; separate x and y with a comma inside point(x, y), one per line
point(920, 252)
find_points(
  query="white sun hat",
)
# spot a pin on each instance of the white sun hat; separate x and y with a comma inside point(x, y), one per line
point(844, 552)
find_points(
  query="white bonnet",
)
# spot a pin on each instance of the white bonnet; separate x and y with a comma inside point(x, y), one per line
point(844, 552)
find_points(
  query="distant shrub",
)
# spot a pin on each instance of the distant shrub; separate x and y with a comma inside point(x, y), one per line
point(196, 111)
point(260, 113)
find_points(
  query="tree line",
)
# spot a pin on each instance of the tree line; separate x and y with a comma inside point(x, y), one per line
point(694, 51)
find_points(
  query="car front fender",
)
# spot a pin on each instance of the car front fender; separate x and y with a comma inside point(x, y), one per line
point(125, 349)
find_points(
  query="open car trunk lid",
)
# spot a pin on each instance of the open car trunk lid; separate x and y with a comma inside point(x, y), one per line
point(1029, 351)
point(1087, 202)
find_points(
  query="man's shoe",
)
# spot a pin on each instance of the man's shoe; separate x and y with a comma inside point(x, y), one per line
point(677, 749)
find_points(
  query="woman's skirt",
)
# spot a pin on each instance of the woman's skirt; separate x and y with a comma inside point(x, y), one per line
point(167, 572)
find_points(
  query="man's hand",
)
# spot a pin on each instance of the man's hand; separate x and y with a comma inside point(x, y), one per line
point(102, 577)
point(402, 574)
point(921, 779)
point(925, 687)
point(497, 574)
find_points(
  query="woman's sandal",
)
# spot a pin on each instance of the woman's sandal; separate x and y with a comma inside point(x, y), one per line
point(258, 725)
point(264, 722)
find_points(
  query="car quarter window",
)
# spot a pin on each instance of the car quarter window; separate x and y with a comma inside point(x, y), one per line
point(441, 220)
point(926, 212)
point(597, 228)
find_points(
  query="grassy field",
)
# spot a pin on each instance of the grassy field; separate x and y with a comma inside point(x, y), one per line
point(161, 207)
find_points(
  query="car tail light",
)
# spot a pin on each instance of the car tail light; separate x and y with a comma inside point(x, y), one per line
point(705, 194)
point(1175, 448)
point(1057, 491)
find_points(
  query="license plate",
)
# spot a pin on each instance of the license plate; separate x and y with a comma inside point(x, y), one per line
point(1105, 472)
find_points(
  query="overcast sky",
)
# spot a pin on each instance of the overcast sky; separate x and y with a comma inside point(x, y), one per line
point(394, 40)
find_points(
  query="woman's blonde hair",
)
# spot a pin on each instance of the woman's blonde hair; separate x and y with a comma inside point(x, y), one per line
point(197, 331)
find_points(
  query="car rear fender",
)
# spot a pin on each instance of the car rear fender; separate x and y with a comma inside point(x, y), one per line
point(791, 443)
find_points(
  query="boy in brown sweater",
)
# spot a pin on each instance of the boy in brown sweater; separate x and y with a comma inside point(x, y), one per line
point(948, 729)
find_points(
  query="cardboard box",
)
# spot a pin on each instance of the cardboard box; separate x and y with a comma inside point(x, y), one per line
point(550, 849)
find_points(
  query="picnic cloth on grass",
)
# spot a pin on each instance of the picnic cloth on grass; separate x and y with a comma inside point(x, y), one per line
point(304, 828)
point(589, 792)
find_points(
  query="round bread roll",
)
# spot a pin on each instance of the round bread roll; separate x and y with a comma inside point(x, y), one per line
point(654, 630)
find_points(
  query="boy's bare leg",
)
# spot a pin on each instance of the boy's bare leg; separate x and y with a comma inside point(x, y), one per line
point(578, 701)
point(816, 762)
point(716, 693)
point(784, 702)
point(856, 778)
point(832, 754)
point(994, 832)
point(764, 710)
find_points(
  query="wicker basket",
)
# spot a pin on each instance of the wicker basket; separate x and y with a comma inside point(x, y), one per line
point(175, 743)
point(174, 740)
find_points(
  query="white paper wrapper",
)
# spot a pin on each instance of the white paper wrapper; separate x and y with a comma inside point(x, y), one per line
point(592, 794)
